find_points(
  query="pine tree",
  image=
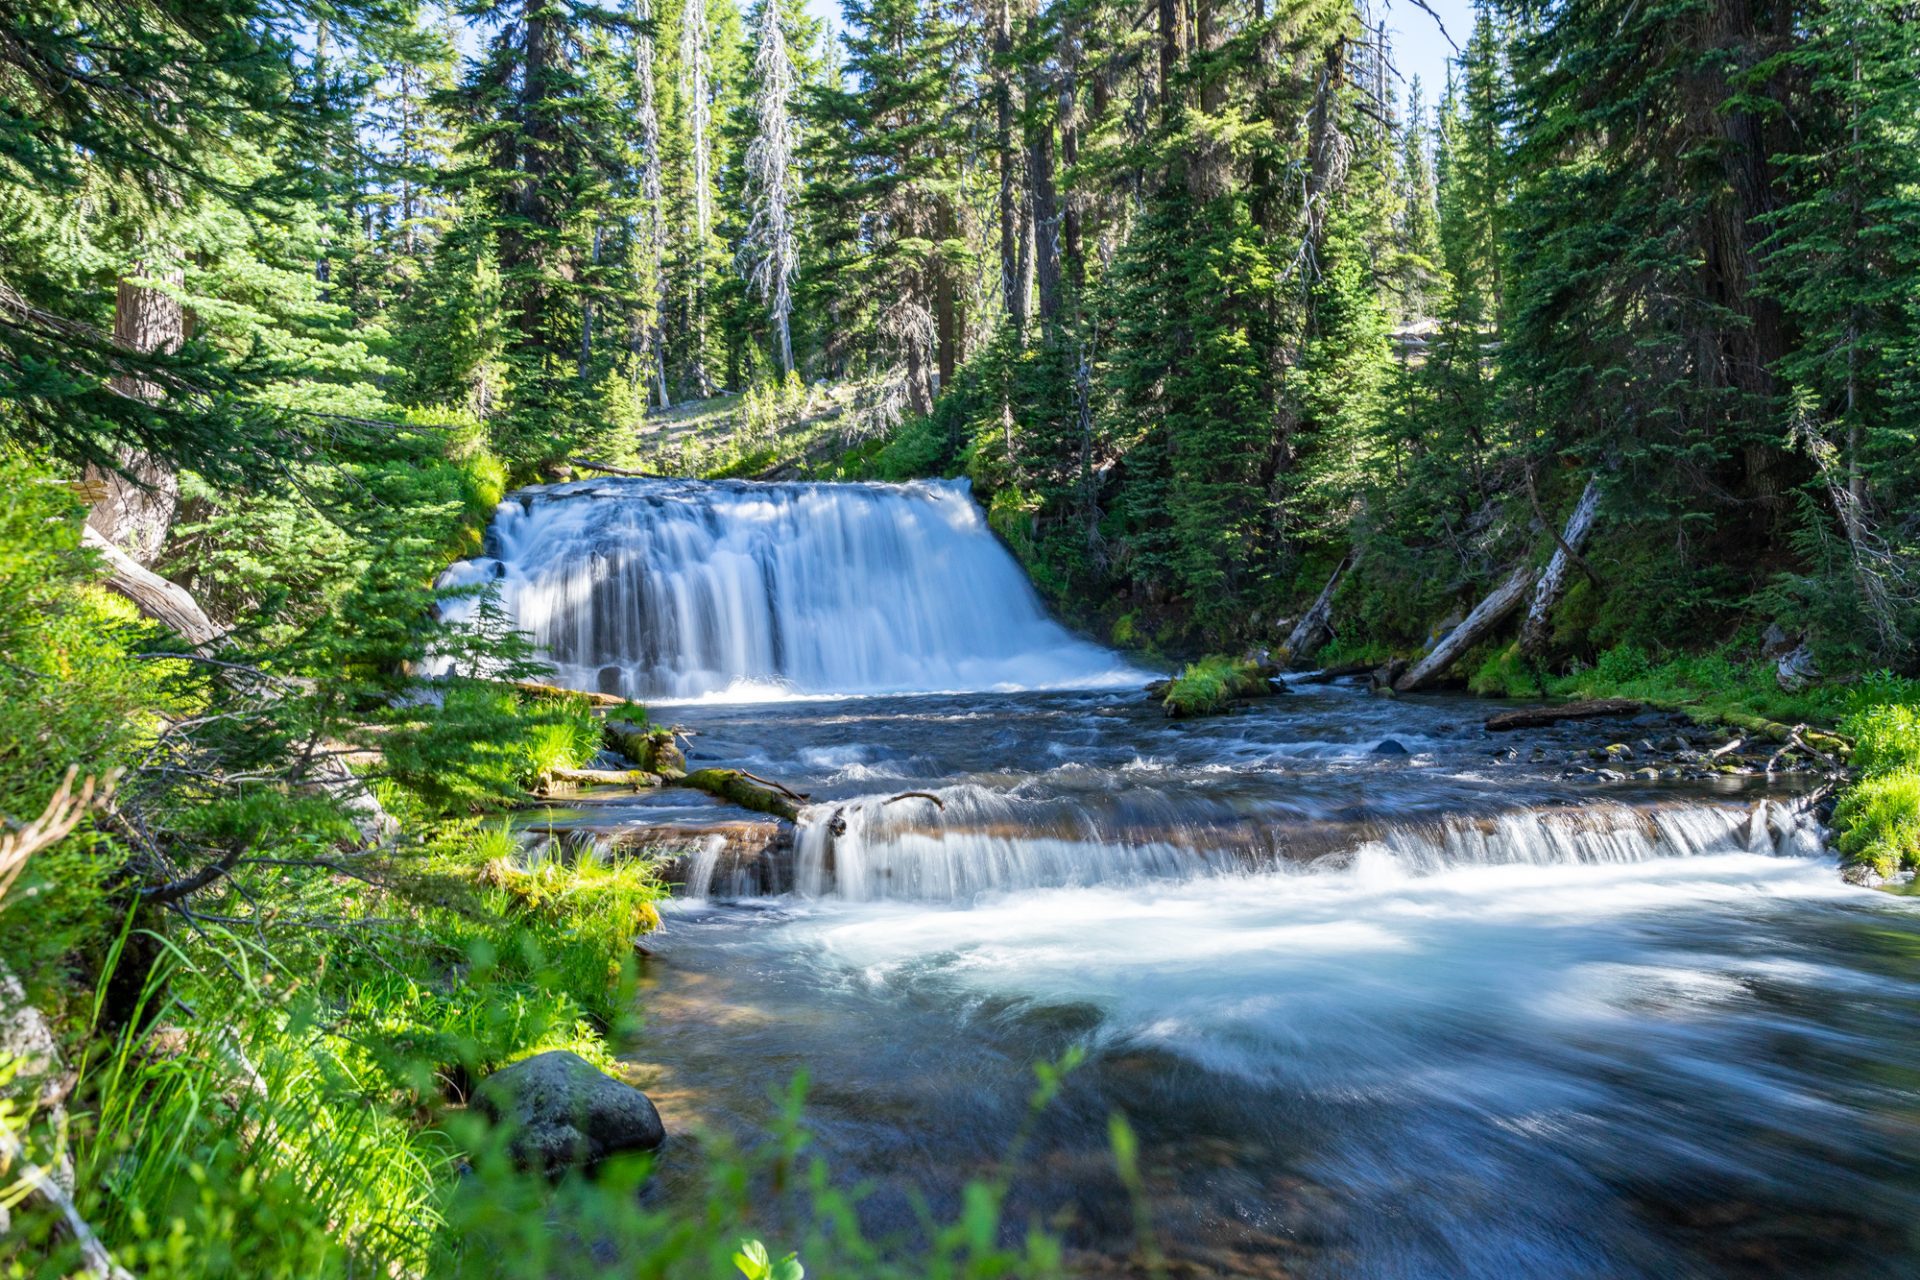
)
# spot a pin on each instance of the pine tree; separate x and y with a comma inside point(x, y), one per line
point(541, 167)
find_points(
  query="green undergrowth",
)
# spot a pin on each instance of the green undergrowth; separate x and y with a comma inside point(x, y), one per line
point(1721, 685)
point(1878, 821)
point(1210, 685)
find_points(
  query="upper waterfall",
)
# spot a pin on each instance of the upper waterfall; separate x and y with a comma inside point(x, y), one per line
point(688, 589)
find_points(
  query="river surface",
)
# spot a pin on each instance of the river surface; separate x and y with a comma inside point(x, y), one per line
point(1382, 995)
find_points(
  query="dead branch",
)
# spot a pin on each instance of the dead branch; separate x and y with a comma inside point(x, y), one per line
point(62, 814)
point(98, 1262)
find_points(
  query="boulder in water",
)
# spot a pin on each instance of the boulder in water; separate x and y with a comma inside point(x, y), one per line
point(563, 1111)
point(1389, 747)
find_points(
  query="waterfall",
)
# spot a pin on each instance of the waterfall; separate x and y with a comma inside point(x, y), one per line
point(871, 849)
point(688, 589)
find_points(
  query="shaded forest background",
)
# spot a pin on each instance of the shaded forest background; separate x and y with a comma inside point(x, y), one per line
point(1205, 298)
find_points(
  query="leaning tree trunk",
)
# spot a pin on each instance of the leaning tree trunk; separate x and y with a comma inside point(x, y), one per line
point(1316, 627)
point(135, 502)
point(1533, 632)
point(1486, 615)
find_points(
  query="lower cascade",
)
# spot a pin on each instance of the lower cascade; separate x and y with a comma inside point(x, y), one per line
point(689, 589)
point(872, 850)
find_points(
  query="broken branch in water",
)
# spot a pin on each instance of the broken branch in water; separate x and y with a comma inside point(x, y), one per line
point(781, 787)
point(938, 803)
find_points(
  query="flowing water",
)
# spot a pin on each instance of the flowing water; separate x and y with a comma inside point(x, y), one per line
point(1383, 995)
point(684, 589)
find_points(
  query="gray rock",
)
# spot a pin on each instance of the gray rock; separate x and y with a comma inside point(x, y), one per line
point(1863, 875)
point(1389, 747)
point(562, 1111)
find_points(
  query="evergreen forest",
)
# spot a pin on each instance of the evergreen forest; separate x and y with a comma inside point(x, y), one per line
point(1588, 370)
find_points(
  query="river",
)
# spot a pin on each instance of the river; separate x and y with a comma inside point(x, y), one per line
point(1381, 994)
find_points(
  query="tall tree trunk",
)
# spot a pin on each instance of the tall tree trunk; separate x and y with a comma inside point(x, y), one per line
point(1012, 277)
point(136, 503)
point(1046, 206)
point(1169, 22)
point(1070, 252)
point(946, 320)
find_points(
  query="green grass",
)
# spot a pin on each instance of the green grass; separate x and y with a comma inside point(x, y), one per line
point(1212, 684)
point(1877, 822)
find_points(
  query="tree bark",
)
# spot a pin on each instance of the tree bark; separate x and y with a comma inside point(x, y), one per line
point(1486, 615)
point(138, 499)
point(1169, 22)
point(1533, 633)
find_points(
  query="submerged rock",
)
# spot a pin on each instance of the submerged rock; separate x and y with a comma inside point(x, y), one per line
point(1389, 747)
point(562, 1110)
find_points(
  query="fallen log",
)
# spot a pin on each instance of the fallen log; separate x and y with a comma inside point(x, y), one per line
point(736, 787)
point(1316, 627)
point(635, 778)
point(1327, 675)
point(555, 691)
point(1486, 615)
point(650, 747)
point(167, 603)
point(1537, 717)
point(1566, 555)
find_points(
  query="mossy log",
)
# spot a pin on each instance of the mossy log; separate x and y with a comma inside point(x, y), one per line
point(540, 690)
point(651, 747)
point(737, 786)
point(635, 778)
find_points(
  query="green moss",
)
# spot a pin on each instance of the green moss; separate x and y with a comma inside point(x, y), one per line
point(1212, 685)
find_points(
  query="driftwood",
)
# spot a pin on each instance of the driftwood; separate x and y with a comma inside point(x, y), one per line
point(167, 603)
point(1553, 580)
point(1486, 615)
point(1316, 627)
point(1726, 748)
point(938, 803)
point(1536, 717)
point(1327, 675)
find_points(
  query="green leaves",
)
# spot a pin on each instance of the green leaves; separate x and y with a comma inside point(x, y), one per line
point(752, 1260)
